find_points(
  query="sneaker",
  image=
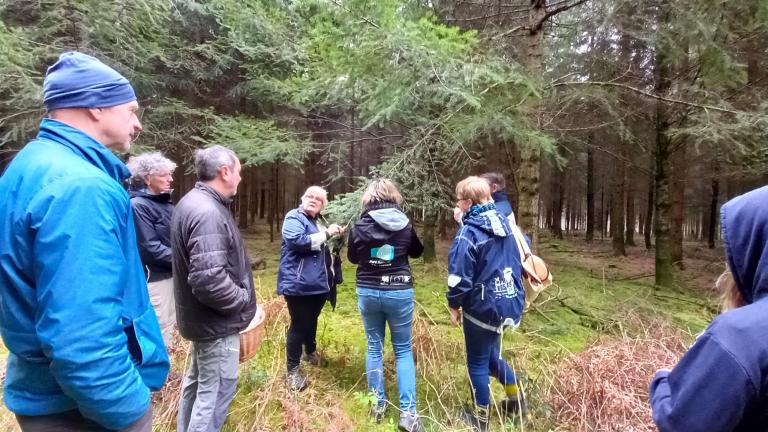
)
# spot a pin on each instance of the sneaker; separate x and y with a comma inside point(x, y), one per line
point(377, 411)
point(410, 422)
point(470, 417)
point(315, 359)
point(295, 380)
point(514, 406)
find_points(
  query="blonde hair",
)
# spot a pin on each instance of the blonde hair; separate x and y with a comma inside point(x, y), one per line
point(381, 190)
point(475, 189)
point(316, 190)
point(730, 296)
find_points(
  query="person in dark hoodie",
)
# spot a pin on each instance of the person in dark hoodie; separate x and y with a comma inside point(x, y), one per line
point(498, 192)
point(150, 191)
point(721, 383)
point(486, 294)
point(380, 243)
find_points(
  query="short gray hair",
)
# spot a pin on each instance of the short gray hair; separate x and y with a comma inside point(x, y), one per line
point(146, 164)
point(209, 160)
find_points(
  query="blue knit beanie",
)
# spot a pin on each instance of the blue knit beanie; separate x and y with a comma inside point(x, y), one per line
point(78, 80)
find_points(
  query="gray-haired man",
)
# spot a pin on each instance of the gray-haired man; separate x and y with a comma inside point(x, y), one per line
point(214, 289)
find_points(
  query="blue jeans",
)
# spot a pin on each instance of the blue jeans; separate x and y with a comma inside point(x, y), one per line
point(379, 307)
point(483, 359)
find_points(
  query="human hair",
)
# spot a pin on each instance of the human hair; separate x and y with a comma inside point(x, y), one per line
point(209, 160)
point(730, 296)
point(381, 190)
point(475, 189)
point(318, 191)
point(495, 178)
point(146, 164)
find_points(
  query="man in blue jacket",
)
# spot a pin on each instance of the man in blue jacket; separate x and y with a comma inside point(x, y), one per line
point(85, 346)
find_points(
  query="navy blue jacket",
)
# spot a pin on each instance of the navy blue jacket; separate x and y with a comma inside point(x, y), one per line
point(304, 257)
point(501, 201)
point(152, 215)
point(74, 307)
point(484, 271)
point(721, 383)
point(381, 242)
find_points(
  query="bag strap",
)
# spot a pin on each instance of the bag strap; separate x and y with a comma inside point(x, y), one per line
point(522, 246)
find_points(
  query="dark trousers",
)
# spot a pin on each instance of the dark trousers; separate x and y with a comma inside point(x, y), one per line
point(304, 311)
point(483, 359)
point(73, 421)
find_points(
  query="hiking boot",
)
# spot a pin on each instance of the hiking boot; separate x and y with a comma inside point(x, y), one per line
point(377, 411)
point(514, 406)
point(315, 359)
point(470, 416)
point(410, 422)
point(295, 380)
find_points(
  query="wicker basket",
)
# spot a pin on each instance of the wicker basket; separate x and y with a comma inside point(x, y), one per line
point(253, 335)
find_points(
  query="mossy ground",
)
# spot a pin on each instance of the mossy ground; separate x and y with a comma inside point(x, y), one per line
point(595, 296)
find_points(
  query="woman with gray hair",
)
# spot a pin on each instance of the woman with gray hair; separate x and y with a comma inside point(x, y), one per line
point(150, 191)
point(304, 279)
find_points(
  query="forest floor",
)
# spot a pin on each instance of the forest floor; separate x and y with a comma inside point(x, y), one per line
point(585, 353)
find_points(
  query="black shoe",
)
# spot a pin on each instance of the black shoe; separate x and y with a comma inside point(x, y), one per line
point(315, 359)
point(470, 416)
point(410, 422)
point(295, 380)
point(514, 406)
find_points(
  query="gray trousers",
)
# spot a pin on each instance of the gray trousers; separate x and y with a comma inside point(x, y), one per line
point(73, 421)
point(162, 299)
point(209, 385)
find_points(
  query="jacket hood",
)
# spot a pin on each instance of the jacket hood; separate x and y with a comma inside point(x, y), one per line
point(744, 222)
point(143, 193)
point(85, 146)
point(491, 222)
point(391, 219)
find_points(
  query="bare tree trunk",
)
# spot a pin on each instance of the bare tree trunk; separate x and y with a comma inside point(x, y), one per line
point(617, 209)
point(677, 204)
point(713, 215)
point(630, 238)
point(590, 193)
point(428, 237)
point(648, 226)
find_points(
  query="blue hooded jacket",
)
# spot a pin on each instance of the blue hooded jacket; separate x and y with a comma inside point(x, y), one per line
point(501, 201)
point(304, 257)
point(721, 383)
point(484, 272)
point(74, 307)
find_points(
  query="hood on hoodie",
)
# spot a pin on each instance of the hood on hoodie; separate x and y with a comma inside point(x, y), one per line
point(744, 222)
point(492, 222)
point(391, 219)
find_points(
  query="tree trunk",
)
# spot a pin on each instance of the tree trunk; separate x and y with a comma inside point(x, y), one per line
point(677, 203)
point(428, 237)
point(617, 209)
point(630, 238)
point(713, 214)
point(648, 225)
point(590, 193)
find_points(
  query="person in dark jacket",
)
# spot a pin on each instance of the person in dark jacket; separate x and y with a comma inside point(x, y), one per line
point(721, 383)
point(213, 284)
point(84, 346)
point(380, 243)
point(498, 192)
point(304, 279)
point(485, 292)
point(150, 191)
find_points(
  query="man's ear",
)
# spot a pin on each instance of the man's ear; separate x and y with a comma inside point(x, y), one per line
point(225, 172)
point(95, 113)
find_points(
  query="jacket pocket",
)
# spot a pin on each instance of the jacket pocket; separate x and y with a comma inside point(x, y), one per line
point(145, 343)
point(299, 269)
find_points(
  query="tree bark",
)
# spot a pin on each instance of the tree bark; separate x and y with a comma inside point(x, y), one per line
point(617, 209)
point(713, 203)
point(590, 192)
point(677, 203)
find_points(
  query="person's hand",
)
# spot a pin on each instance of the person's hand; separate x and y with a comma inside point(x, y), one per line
point(334, 230)
point(457, 214)
point(455, 316)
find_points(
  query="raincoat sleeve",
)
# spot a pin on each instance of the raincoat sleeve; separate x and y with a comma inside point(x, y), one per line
point(462, 259)
point(208, 278)
point(709, 390)
point(80, 292)
point(151, 248)
point(296, 237)
point(352, 247)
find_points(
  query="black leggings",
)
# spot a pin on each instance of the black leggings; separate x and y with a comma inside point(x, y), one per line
point(304, 311)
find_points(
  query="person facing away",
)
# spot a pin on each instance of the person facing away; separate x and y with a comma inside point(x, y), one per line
point(486, 294)
point(213, 284)
point(304, 279)
point(380, 243)
point(721, 383)
point(498, 192)
point(150, 191)
point(85, 348)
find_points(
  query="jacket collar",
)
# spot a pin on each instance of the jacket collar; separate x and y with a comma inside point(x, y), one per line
point(381, 205)
point(144, 193)
point(208, 190)
point(84, 146)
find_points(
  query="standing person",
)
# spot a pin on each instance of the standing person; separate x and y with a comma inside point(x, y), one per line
point(304, 279)
point(85, 349)
point(150, 191)
point(721, 383)
point(498, 192)
point(213, 284)
point(380, 243)
point(485, 292)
